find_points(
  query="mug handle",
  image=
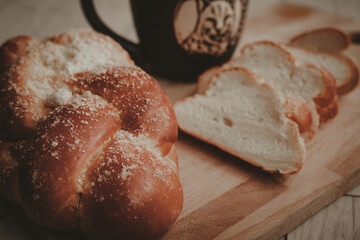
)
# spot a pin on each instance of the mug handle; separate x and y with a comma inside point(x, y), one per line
point(95, 21)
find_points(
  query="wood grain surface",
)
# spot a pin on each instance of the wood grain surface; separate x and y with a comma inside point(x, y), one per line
point(226, 198)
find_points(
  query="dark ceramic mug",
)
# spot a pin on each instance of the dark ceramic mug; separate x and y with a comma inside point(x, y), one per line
point(179, 38)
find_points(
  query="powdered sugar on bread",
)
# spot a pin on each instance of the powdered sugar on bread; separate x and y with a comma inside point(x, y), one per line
point(97, 133)
point(35, 75)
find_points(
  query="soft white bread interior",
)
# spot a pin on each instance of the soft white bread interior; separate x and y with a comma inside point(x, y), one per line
point(245, 117)
point(335, 65)
point(279, 70)
point(333, 41)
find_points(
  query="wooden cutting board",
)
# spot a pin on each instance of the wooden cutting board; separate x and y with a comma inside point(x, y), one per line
point(226, 198)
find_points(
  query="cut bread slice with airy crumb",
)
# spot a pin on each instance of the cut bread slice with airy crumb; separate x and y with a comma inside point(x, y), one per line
point(278, 68)
point(245, 117)
point(335, 65)
point(333, 41)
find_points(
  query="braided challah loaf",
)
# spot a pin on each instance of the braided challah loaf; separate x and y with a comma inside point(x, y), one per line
point(88, 138)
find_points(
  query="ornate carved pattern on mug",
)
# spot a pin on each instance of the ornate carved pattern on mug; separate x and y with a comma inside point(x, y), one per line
point(208, 26)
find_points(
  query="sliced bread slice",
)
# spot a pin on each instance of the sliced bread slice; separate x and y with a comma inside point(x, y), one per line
point(335, 65)
point(244, 116)
point(326, 40)
point(278, 68)
point(333, 41)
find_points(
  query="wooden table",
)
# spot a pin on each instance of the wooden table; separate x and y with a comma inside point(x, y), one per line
point(339, 220)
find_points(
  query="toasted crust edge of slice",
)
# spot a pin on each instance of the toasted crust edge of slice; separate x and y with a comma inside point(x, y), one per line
point(329, 92)
point(354, 79)
point(348, 63)
point(304, 118)
point(323, 99)
point(328, 95)
point(295, 126)
point(329, 112)
point(299, 112)
point(355, 75)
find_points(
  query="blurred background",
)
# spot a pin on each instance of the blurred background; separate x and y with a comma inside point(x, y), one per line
point(16, 15)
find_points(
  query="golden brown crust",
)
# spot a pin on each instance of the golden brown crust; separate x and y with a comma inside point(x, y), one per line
point(334, 50)
point(20, 107)
point(204, 78)
point(144, 105)
point(349, 82)
point(328, 94)
point(298, 111)
point(343, 59)
point(13, 48)
point(329, 112)
point(302, 113)
point(78, 162)
point(140, 205)
point(326, 102)
point(23, 103)
point(250, 45)
point(54, 156)
point(81, 146)
point(354, 79)
point(10, 52)
point(323, 99)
